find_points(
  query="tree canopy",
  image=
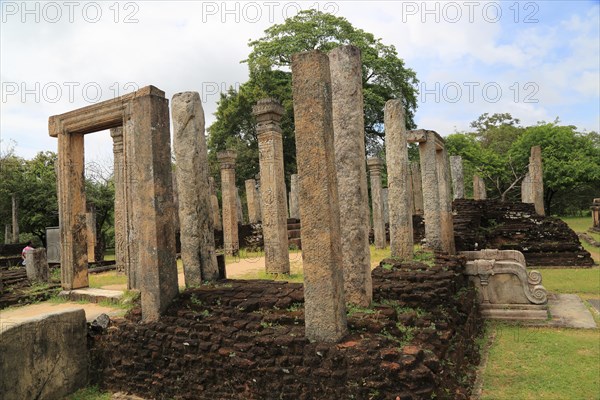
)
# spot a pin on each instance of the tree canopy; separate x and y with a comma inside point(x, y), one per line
point(384, 77)
point(499, 149)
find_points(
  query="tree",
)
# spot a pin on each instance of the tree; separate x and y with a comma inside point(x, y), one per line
point(384, 77)
point(571, 162)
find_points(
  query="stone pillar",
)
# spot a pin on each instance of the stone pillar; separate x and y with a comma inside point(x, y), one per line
point(349, 146)
point(71, 198)
point(252, 201)
point(148, 153)
point(479, 192)
point(238, 204)
point(536, 173)
point(398, 170)
point(375, 166)
point(596, 215)
point(417, 187)
point(231, 244)
point(7, 234)
point(324, 306)
point(458, 180)
point(195, 208)
point(268, 114)
point(121, 213)
point(294, 210)
point(431, 192)
point(216, 213)
point(385, 199)
point(15, 219)
point(444, 184)
point(36, 265)
point(90, 221)
point(526, 189)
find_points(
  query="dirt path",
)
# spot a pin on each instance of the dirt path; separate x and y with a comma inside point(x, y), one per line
point(18, 314)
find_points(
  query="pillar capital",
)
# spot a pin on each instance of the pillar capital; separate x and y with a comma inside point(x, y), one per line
point(227, 159)
point(375, 165)
point(268, 113)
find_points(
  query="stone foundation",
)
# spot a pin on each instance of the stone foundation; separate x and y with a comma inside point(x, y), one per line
point(491, 224)
point(245, 340)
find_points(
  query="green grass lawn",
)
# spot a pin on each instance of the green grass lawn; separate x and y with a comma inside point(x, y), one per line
point(542, 363)
point(107, 278)
point(584, 282)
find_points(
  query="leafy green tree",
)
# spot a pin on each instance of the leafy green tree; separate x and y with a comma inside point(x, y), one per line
point(571, 163)
point(384, 77)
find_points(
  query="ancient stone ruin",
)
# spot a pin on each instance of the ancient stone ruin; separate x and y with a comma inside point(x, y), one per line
point(231, 244)
point(596, 215)
point(147, 181)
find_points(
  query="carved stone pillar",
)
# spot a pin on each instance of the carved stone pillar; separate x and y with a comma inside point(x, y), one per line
point(231, 244)
point(273, 191)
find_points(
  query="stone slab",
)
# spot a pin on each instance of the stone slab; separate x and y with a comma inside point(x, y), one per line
point(595, 303)
point(568, 310)
point(92, 295)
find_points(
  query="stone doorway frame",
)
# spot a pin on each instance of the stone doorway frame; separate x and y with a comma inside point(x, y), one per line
point(144, 117)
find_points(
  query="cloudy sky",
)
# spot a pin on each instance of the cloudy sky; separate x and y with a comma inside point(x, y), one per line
point(537, 60)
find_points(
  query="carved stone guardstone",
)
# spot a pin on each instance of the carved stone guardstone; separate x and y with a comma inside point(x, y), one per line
point(505, 289)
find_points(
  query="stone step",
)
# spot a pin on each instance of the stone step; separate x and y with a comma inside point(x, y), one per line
point(292, 227)
point(92, 295)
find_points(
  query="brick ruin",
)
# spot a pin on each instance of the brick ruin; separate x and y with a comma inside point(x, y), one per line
point(246, 340)
point(492, 224)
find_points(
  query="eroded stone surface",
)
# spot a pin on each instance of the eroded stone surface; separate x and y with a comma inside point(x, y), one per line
point(458, 180)
point(417, 187)
point(294, 210)
point(479, 191)
point(375, 166)
point(36, 265)
point(444, 184)
point(195, 207)
point(252, 201)
point(399, 187)
point(218, 223)
point(268, 114)
point(536, 175)
point(325, 310)
point(349, 146)
point(431, 192)
point(231, 243)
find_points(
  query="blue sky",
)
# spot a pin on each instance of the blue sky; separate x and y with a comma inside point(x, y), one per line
point(537, 60)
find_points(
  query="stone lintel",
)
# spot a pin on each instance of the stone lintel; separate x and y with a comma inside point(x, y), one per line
point(420, 136)
point(97, 117)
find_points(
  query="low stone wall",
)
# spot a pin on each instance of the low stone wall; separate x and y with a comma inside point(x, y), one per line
point(45, 357)
point(492, 224)
point(245, 340)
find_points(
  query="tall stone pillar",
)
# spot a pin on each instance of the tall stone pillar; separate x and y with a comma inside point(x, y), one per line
point(536, 174)
point(252, 200)
point(417, 187)
point(148, 146)
point(385, 199)
point(375, 166)
point(458, 180)
point(479, 192)
point(431, 192)
point(231, 244)
point(294, 210)
point(71, 198)
point(15, 219)
point(7, 234)
point(268, 114)
point(444, 184)
point(596, 215)
point(349, 146)
point(121, 212)
point(195, 207)
point(90, 220)
point(526, 189)
point(216, 213)
point(324, 305)
point(238, 204)
point(398, 169)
